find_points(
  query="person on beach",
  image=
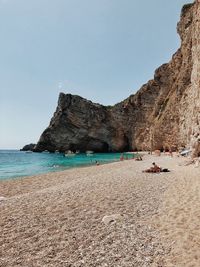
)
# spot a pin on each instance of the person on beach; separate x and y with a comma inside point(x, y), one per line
point(153, 169)
point(122, 157)
point(138, 158)
point(156, 169)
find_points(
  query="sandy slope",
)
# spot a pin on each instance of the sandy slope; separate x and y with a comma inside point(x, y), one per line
point(56, 219)
point(179, 219)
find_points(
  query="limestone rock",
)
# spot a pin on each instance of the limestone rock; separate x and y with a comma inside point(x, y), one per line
point(2, 199)
point(108, 219)
point(29, 147)
point(165, 112)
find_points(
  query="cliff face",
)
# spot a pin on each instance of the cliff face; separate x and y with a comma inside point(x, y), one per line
point(190, 103)
point(79, 124)
point(165, 112)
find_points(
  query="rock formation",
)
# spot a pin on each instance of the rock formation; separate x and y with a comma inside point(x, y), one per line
point(164, 113)
point(29, 147)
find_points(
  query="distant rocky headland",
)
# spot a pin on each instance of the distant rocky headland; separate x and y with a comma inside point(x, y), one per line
point(164, 113)
point(29, 147)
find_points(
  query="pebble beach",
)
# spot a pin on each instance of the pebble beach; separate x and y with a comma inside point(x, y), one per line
point(109, 215)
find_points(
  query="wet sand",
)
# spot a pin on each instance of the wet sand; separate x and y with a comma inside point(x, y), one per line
point(109, 215)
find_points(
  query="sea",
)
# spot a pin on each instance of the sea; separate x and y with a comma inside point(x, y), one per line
point(15, 163)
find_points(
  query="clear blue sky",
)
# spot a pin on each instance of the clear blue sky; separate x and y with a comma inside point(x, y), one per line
point(103, 50)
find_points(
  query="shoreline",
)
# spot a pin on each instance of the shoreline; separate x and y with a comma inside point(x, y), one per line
point(71, 167)
point(107, 215)
point(50, 175)
point(56, 171)
point(57, 167)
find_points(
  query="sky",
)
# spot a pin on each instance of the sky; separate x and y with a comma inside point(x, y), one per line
point(103, 50)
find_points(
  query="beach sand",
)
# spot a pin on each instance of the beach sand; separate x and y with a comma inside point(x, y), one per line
point(107, 215)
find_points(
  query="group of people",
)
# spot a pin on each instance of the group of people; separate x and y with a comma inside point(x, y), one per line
point(137, 157)
point(154, 169)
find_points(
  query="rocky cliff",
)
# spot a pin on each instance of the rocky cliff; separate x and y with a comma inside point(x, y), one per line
point(29, 147)
point(164, 113)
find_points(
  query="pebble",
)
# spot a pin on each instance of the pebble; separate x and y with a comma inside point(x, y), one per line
point(108, 219)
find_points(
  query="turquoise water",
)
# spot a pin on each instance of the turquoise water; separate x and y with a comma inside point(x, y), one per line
point(15, 163)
